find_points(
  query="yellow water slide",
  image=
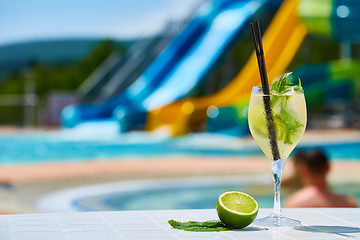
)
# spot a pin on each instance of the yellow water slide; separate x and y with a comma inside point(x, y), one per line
point(281, 41)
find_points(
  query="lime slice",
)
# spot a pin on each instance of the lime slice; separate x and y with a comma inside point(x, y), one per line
point(237, 209)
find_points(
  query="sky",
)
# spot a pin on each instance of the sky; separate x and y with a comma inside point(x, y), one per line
point(28, 20)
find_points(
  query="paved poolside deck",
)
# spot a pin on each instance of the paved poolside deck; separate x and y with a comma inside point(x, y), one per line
point(325, 223)
point(31, 181)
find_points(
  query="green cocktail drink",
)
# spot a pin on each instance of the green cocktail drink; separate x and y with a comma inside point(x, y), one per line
point(289, 117)
point(277, 122)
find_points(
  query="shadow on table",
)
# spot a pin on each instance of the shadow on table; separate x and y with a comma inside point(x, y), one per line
point(251, 229)
point(338, 230)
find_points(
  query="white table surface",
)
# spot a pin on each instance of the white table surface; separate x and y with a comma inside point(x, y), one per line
point(335, 223)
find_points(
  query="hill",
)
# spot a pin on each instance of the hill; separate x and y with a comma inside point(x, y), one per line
point(15, 57)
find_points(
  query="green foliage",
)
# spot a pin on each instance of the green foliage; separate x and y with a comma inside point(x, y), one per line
point(47, 79)
point(315, 49)
point(61, 77)
point(14, 85)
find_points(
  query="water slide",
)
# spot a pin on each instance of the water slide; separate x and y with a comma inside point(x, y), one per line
point(137, 62)
point(230, 22)
point(281, 41)
point(324, 82)
point(118, 71)
point(112, 69)
point(153, 75)
point(91, 86)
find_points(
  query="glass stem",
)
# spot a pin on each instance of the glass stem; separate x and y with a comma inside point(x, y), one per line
point(277, 167)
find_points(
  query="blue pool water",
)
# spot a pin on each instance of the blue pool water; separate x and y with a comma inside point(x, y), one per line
point(177, 197)
point(62, 146)
point(65, 147)
point(199, 197)
point(201, 193)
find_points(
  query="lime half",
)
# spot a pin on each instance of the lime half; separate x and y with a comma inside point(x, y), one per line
point(237, 209)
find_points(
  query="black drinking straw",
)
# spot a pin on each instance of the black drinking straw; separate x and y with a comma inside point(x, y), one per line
point(266, 90)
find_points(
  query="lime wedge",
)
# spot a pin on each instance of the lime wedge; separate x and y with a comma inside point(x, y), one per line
point(237, 209)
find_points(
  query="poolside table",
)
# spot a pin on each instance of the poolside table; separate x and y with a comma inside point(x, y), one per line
point(335, 223)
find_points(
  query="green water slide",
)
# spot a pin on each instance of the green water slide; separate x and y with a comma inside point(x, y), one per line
point(324, 82)
point(338, 19)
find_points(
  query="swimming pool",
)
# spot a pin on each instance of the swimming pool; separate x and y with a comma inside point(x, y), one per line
point(187, 193)
point(105, 143)
point(68, 146)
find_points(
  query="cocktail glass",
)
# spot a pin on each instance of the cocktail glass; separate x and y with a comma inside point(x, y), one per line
point(277, 123)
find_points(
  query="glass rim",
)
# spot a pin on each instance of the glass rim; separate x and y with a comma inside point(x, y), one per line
point(287, 87)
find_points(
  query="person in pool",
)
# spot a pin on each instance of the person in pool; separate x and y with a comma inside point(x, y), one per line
point(313, 168)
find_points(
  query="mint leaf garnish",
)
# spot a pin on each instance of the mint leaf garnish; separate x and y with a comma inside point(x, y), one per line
point(299, 86)
point(285, 119)
point(208, 226)
point(280, 86)
point(289, 124)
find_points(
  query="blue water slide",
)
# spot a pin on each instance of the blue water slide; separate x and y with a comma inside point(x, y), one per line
point(231, 21)
point(153, 75)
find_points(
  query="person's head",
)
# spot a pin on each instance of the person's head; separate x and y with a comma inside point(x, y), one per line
point(312, 164)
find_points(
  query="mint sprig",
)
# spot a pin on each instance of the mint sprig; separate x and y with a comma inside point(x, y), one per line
point(208, 226)
point(299, 86)
point(286, 122)
point(281, 85)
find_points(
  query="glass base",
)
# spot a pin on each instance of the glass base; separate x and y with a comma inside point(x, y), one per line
point(279, 221)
